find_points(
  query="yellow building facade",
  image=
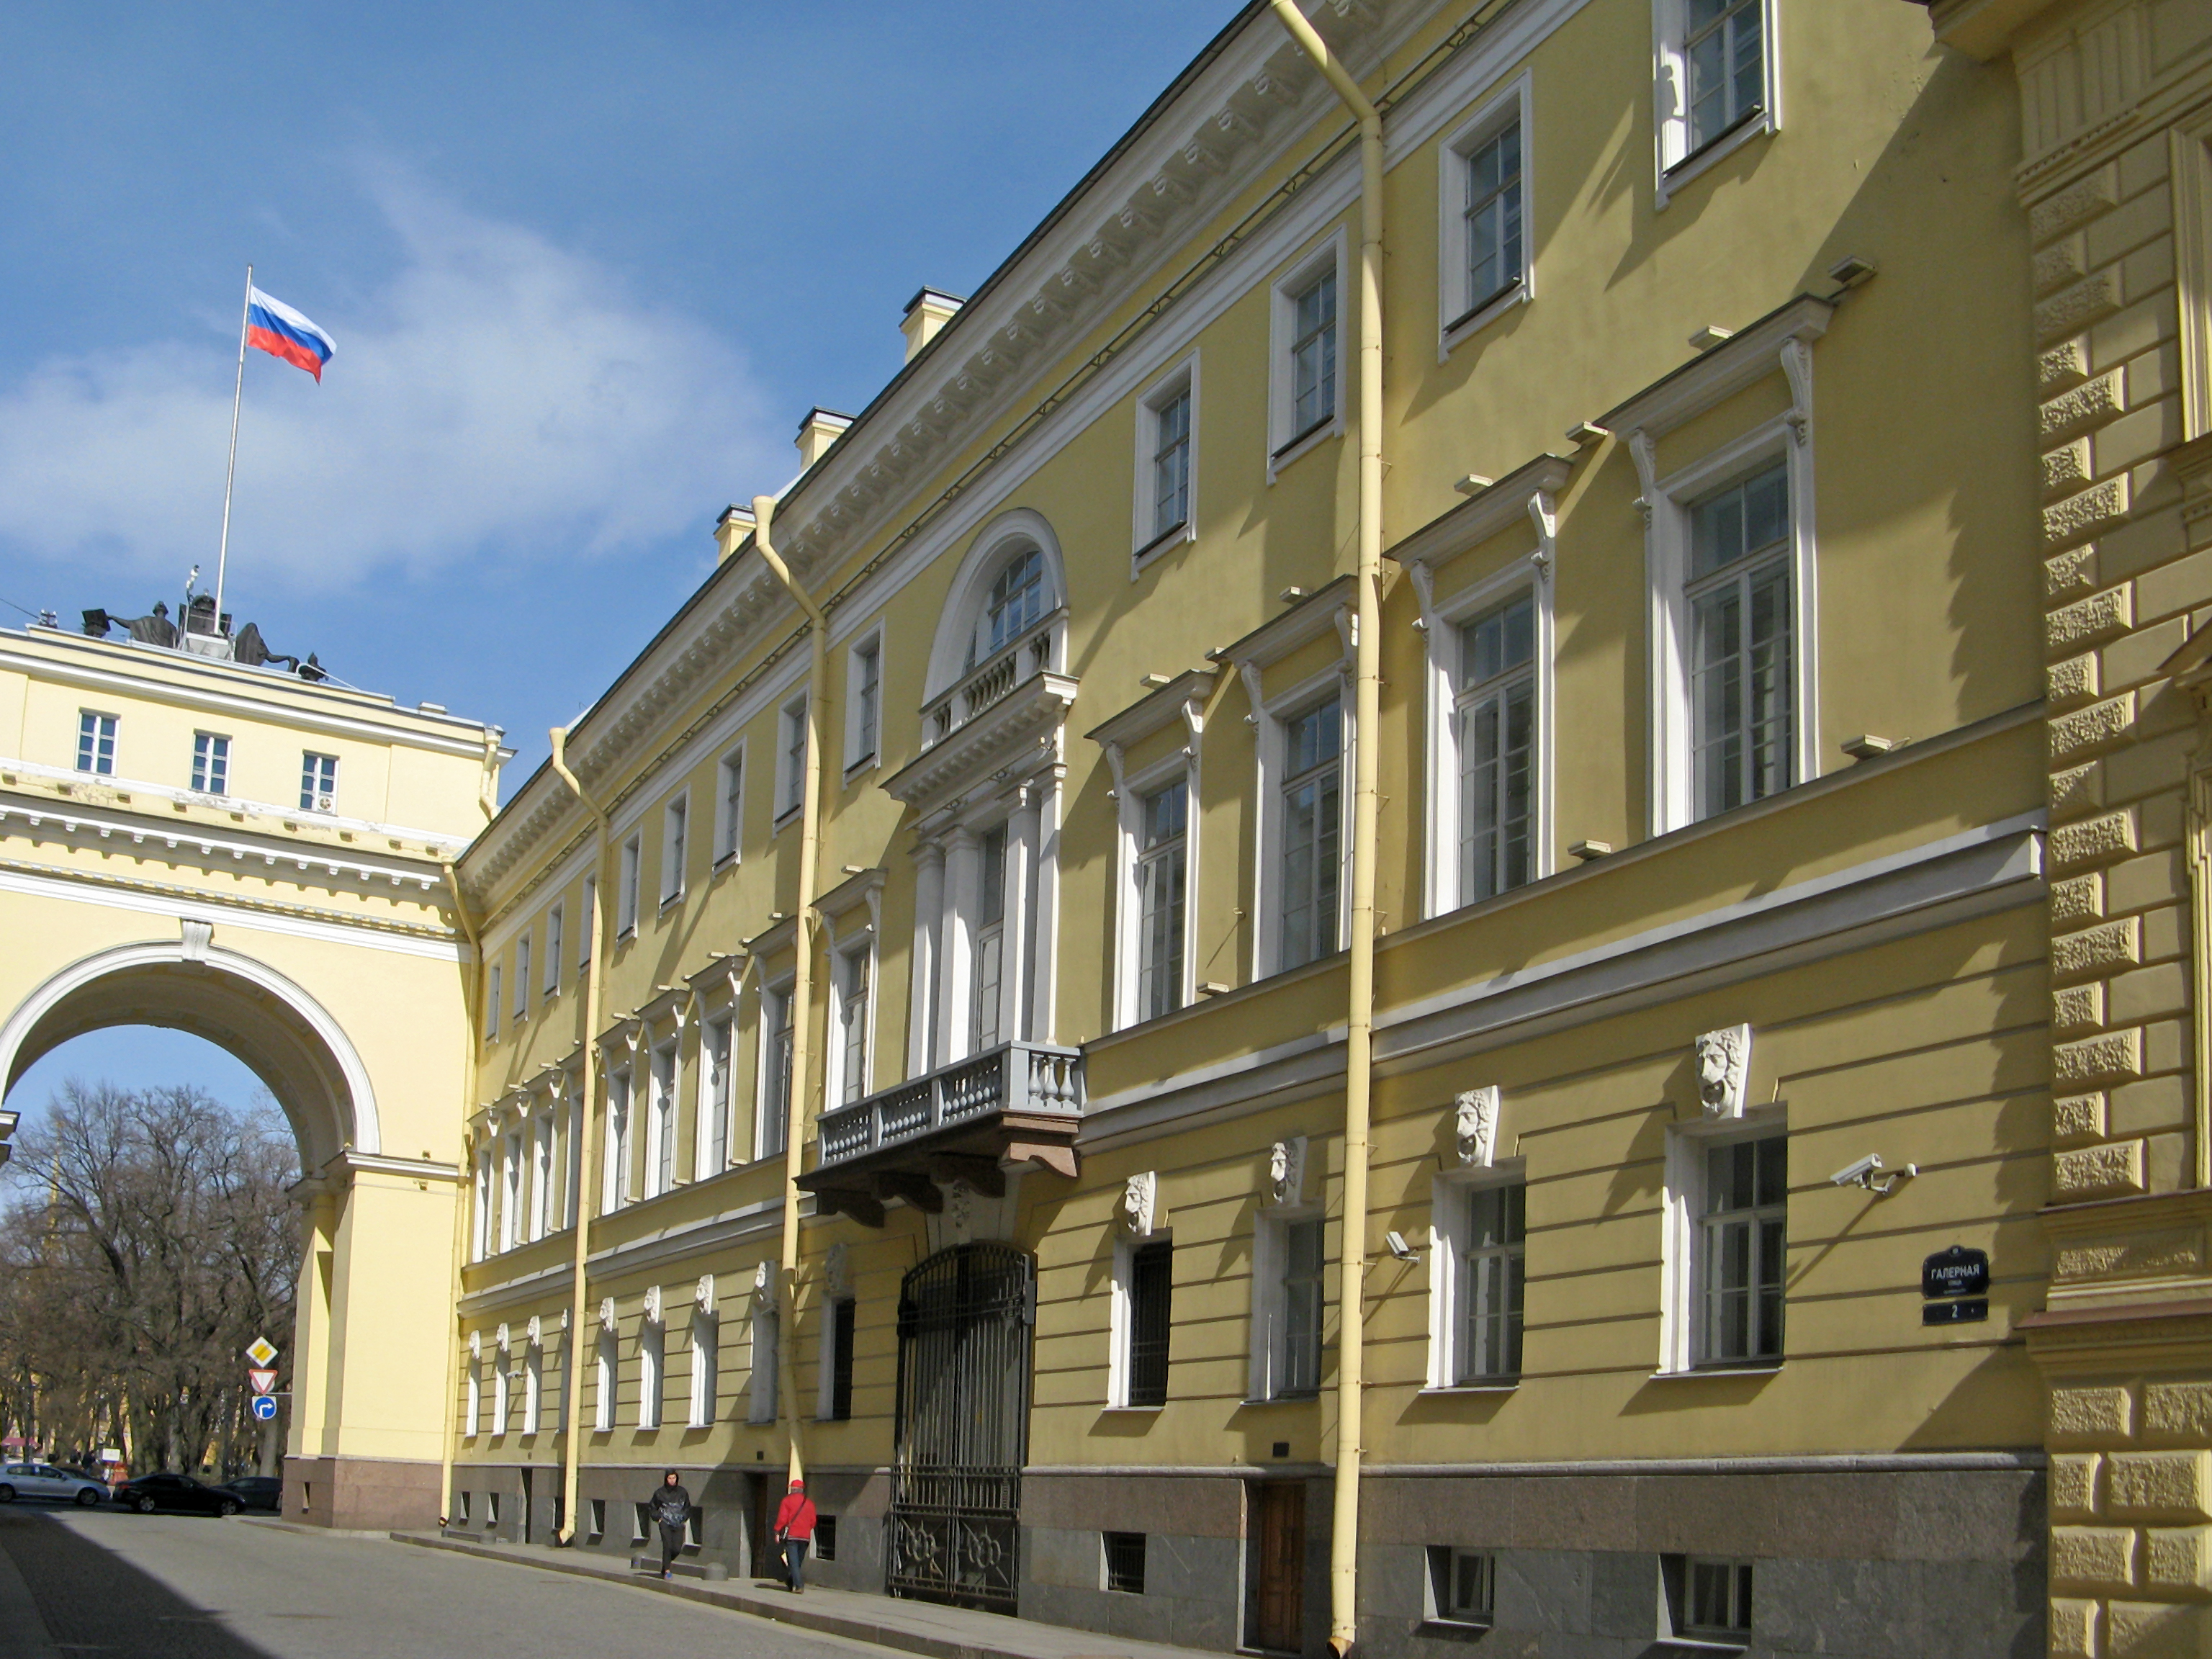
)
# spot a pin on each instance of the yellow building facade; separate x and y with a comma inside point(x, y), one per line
point(266, 862)
point(1699, 1161)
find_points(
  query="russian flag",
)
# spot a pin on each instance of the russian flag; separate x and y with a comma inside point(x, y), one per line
point(274, 327)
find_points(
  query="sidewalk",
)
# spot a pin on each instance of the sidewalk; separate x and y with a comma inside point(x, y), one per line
point(920, 1627)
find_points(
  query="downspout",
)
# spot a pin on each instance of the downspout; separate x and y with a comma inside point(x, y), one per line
point(802, 984)
point(472, 1023)
point(1360, 1022)
point(587, 1158)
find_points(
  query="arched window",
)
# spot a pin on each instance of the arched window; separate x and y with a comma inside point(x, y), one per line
point(1015, 606)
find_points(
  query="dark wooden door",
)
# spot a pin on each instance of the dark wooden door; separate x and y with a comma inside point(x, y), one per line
point(1279, 1625)
point(529, 1507)
point(760, 1524)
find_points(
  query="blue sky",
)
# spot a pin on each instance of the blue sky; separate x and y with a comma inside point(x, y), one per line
point(586, 264)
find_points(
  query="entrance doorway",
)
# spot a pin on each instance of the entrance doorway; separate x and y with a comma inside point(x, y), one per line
point(1278, 1599)
point(529, 1505)
point(962, 1427)
point(760, 1527)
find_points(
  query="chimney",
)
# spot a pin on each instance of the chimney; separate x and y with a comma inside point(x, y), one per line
point(926, 312)
point(817, 432)
point(731, 530)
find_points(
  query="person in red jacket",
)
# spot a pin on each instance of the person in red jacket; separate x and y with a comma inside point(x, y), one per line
point(795, 1530)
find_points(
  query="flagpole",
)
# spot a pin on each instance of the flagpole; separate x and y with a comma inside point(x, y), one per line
point(237, 397)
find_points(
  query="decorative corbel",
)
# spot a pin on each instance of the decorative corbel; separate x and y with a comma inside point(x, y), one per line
point(702, 1295)
point(1286, 1171)
point(500, 1336)
point(1724, 1070)
point(1544, 512)
point(476, 1344)
point(1347, 630)
point(762, 1278)
point(1645, 453)
point(1140, 1196)
point(1797, 368)
point(607, 1315)
point(1254, 692)
point(1194, 724)
point(837, 1272)
point(1424, 590)
point(537, 1328)
point(1114, 763)
point(653, 1304)
point(1475, 1126)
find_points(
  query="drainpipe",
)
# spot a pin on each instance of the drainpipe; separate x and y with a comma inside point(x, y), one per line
point(588, 1159)
point(487, 804)
point(802, 985)
point(1360, 1023)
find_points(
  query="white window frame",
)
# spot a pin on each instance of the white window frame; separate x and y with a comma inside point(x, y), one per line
point(626, 894)
point(1120, 1322)
point(730, 806)
point(1674, 780)
point(1449, 1221)
point(710, 1137)
point(772, 1114)
point(1442, 1575)
point(652, 1371)
point(522, 978)
point(498, 1400)
point(495, 980)
point(1275, 718)
point(614, 1157)
point(606, 1382)
point(1128, 940)
point(760, 1405)
point(863, 748)
point(1677, 165)
point(1530, 574)
point(675, 846)
point(211, 763)
point(97, 732)
point(1457, 320)
point(1285, 443)
point(790, 758)
point(705, 1363)
point(556, 928)
point(510, 1169)
point(533, 1389)
point(541, 1175)
point(1682, 1257)
point(1270, 1298)
point(862, 950)
point(480, 1233)
point(662, 1078)
point(472, 1409)
point(314, 796)
point(1147, 540)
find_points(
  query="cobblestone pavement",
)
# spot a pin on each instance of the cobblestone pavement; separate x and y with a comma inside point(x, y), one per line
point(103, 1582)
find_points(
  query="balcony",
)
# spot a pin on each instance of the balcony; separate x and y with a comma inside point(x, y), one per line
point(1021, 1103)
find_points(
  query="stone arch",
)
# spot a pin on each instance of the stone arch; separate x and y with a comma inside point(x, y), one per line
point(273, 1025)
point(1004, 539)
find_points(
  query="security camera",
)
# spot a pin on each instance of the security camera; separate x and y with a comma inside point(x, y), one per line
point(1399, 1248)
point(1858, 1171)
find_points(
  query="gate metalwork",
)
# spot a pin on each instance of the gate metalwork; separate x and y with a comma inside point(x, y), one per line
point(963, 1411)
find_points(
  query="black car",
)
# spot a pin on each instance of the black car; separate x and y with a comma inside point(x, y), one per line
point(257, 1491)
point(150, 1492)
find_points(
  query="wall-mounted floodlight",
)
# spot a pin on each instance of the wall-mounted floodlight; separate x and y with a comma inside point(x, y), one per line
point(1399, 1248)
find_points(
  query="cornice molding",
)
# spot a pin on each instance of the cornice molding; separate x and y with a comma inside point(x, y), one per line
point(1024, 722)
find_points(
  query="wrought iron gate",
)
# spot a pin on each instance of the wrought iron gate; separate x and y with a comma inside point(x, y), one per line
point(964, 1414)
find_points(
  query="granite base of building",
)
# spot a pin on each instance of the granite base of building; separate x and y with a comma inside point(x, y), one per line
point(360, 1494)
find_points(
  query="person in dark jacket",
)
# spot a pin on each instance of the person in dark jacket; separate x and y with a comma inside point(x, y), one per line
point(670, 1507)
point(795, 1530)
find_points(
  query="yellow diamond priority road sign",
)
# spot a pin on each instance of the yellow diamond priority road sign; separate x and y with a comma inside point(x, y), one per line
point(261, 1353)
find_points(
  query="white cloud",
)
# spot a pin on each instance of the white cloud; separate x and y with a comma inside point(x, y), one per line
point(497, 397)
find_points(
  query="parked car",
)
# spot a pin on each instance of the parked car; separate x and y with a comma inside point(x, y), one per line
point(150, 1492)
point(257, 1491)
point(45, 1480)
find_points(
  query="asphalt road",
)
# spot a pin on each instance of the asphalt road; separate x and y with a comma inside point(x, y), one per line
point(98, 1582)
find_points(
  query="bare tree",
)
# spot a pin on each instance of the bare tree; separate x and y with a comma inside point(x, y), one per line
point(149, 1241)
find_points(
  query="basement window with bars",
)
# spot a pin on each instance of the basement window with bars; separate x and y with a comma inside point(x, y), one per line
point(1150, 1290)
point(825, 1537)
point(1125, 1562)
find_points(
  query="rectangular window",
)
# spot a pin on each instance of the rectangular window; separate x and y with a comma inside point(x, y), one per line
point(825, 1537)
point(852, 1024)
point(1739, 1245)
point(1313, 355)
point(1310, 869)
point(865, 675)
point(710, 1138)
point(1151, 1293)
point(210, 763)
point(705, 1340)
point(597, 1528)
point(493, 1000)
point(318, 782)
point(651, 1352)
point(1708, 1599)
point(1494, 261)
point(675, 818)
point(541, 1177)
point(761, 1405)
point(990, 938)
point(481, 1242)
point(1163, 868)
point(1727, 60)
point(1298, 1359)
point(614, 1185)
point(602, 1399)
point(729, 805)
point(522, 978)
point(588, 936)
point(1462, 1585)
point(791, 759)
point(626, 895)
point(1741, 652)
point(1125, 1561)
point(533, 1389)
point(660, 1123)
point(839, 1330)
point(555, 919)
point(498, 1363)
point(95, 744)
point(473, 1415)
point(510, 1191)
point(768, 1135)
point(1171, 463)
point(1496, 1272)
point(1497, 716)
